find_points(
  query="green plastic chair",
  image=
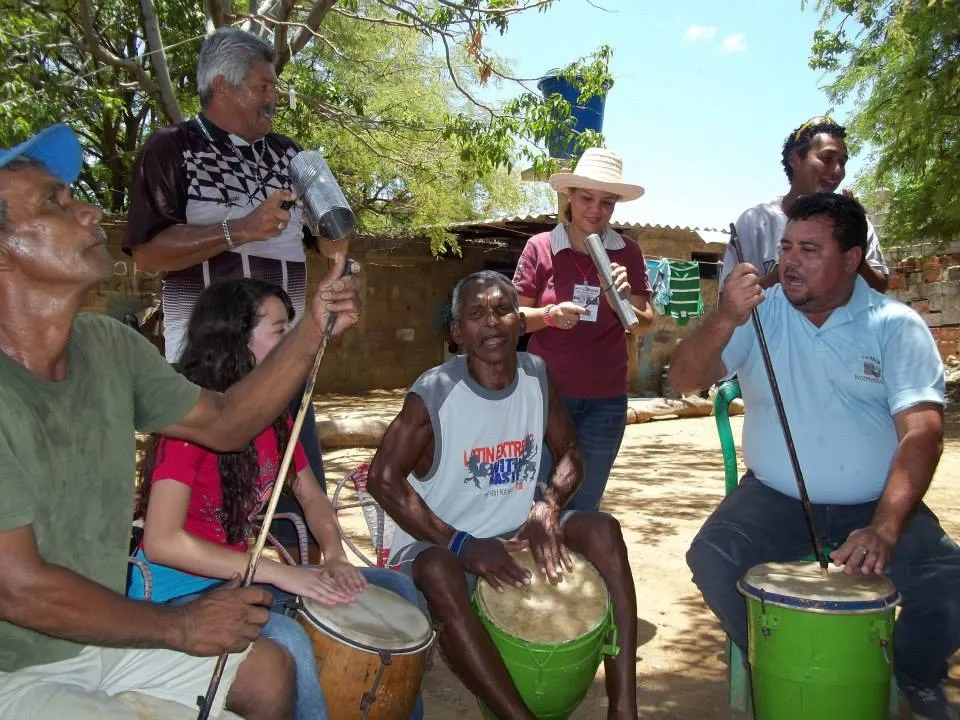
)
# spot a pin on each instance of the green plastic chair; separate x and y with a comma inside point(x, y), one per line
point(738, 680)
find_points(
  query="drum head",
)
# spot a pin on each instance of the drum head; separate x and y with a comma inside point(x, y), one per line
point(802, 585)
point(377, 620)
point(545, 613)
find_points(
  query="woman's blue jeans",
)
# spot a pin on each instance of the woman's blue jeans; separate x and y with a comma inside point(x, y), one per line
point(287, 632)
point(600, 423)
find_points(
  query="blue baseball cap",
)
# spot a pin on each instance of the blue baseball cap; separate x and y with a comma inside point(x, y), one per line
point(56, 147)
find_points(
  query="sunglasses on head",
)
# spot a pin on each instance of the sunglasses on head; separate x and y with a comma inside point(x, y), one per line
point(819, 119)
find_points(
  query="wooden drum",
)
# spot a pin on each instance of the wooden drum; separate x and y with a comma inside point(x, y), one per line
point(371, 654)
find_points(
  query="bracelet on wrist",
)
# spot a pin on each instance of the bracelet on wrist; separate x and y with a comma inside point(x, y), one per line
point(226, 235)
point(458, 543)
point(547, 320)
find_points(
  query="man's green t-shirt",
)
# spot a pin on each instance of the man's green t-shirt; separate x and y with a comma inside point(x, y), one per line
point(68, 458)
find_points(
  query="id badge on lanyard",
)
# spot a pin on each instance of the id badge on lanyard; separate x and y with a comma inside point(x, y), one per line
point(588, 297)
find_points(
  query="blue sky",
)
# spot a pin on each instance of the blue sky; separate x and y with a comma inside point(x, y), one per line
point(705, 92)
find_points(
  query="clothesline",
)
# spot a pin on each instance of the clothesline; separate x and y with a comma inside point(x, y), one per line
point(698, 262)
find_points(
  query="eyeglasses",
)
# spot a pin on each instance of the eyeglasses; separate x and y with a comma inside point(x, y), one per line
point(819, 119)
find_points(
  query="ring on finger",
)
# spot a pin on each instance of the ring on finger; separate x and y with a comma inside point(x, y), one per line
point(863, 551)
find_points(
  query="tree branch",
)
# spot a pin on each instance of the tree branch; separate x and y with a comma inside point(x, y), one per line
point(108, 58)
point(317, 13)
point(158, 59)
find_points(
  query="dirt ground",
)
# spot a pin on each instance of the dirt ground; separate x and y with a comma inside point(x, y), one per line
point(667, 479)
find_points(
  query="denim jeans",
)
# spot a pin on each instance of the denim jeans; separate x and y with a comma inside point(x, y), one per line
point(287, 632)
point(600, 423)
point(755, 524)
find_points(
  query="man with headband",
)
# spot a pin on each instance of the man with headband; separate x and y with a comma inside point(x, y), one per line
point(73, 390)
point(814, 158)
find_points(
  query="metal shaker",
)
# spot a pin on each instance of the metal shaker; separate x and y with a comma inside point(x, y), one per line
point(326, 211)
point(620, 304)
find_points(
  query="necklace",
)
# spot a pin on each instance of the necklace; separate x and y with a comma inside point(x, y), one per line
point(255, 170)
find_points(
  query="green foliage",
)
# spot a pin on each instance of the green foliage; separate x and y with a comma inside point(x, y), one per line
point(899, 61)
point(386, 88)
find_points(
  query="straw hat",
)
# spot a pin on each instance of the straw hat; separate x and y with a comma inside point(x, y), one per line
point(597, 169)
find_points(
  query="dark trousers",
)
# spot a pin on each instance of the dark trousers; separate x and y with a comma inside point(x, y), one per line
point(755, 524)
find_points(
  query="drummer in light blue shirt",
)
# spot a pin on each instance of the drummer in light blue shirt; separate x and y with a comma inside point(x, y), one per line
point(872, 359)
point(863, 390)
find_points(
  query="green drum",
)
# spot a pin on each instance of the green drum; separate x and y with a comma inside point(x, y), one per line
point(819, 647)
point(551, 637)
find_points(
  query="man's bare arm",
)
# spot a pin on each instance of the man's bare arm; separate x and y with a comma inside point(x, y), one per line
point(875, 279)
point(53, 600)
point(182, 246)
point(920, 434)
point(696, 362)
point(408, 438)
point(561, 436)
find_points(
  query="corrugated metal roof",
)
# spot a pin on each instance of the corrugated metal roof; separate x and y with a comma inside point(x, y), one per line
point(525, 225)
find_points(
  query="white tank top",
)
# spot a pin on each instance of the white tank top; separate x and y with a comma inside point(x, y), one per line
point(487, 447)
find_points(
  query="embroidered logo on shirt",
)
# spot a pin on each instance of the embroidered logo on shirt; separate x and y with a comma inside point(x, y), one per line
point(501, 469)
point(871, 370)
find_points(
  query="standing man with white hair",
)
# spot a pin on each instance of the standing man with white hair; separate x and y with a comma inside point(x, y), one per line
point(211, 197)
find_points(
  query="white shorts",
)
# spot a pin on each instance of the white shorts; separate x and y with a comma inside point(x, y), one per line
point(115, 684)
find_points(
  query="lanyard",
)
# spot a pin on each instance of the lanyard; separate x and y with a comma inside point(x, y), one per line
point(585, 273)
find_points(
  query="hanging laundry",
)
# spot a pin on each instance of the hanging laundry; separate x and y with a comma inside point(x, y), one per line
point(686, 298)
point(659, 273)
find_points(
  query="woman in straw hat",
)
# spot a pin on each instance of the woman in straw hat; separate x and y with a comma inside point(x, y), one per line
point(574, 329)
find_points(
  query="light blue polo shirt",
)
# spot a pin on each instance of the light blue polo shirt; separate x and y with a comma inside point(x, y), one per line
point(841, 383)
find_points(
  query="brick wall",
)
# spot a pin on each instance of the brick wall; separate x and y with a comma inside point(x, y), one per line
point(404, 289)
point(927, 278)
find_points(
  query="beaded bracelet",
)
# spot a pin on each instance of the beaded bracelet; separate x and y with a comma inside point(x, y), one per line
point(547, 320)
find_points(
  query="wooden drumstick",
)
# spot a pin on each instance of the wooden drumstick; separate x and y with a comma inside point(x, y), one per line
point(782, 414)
point(206, 701)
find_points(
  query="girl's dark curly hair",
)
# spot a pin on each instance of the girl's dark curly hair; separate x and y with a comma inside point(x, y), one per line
point(217, 356)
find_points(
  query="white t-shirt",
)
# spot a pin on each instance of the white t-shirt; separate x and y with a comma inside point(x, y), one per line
point(487, 448)
point(760, 230)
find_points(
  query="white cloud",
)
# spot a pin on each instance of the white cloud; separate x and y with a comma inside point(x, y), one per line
point(699, 32)
point(733, 44)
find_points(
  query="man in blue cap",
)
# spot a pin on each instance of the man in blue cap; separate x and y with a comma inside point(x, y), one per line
point(73, 389)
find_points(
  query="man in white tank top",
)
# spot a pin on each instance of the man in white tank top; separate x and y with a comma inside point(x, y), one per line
point(457, 471)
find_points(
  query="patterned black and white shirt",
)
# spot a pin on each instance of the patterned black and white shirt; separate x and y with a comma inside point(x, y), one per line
point(196, 173)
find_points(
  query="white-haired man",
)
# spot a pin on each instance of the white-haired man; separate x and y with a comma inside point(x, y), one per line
point(211, 197)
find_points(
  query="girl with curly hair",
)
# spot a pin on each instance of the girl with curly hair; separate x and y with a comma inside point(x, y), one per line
point(198, 505)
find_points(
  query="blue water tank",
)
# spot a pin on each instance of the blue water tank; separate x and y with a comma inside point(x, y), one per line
point(588, 116)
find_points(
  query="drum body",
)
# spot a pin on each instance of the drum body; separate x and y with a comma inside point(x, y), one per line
point(551, 637)
point(371, 654)
point(819, 647)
